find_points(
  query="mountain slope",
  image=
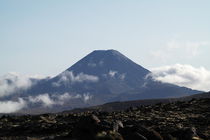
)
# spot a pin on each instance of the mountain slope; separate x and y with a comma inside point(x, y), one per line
point(101, 76)
point(101, 72)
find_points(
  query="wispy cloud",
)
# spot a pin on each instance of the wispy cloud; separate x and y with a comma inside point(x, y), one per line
point(13, 82)
point(12, 106)
point(112, 73)
point(68, 77)
point(45, 100)
point(189, 47)
point(87, 96)
point(42, 98)
point(179, 49)
point(183, 75)
point(115, 74)
point(48, 100)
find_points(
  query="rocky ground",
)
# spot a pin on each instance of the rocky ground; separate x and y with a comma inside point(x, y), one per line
point(172, 121)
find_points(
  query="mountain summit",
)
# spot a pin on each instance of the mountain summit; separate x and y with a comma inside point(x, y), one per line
point(103, 73)
point(102, 76)
point(110, 64)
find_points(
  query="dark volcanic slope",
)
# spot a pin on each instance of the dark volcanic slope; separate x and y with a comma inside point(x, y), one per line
point(100, 77)
point(172, 121)
point(102, 62)
point(115, 72)
point(119, 78)
point(106, 75)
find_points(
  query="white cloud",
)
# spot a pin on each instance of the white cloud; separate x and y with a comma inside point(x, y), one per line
point(183, 75)
point(43, 98)
point(68, 77)
point(12, 106)
point(12, 82)
point(115, 74)
point(112, 73)
point(65, 96)
point(87, 97)
point(62, 98)
point(85, 77)
point(179, 49)
point(48, 100)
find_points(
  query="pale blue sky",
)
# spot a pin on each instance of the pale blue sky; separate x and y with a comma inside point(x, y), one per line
point(47, 36)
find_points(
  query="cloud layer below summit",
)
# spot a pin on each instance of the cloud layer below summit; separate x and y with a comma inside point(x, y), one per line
point(183, 75)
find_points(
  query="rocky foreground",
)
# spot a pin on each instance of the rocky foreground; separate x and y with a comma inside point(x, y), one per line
point(171, 121)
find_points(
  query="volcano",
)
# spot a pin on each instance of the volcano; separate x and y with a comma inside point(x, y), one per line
point(103, 76)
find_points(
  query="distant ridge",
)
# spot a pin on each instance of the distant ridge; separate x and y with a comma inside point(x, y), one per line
point(120, 106)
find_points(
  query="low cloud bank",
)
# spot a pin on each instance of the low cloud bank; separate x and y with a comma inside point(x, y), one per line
point(12, 106)
point(46, 100)
point(13, 82)
point(183, 75)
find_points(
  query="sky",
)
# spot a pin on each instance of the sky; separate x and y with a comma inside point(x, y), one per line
point(45, 37)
